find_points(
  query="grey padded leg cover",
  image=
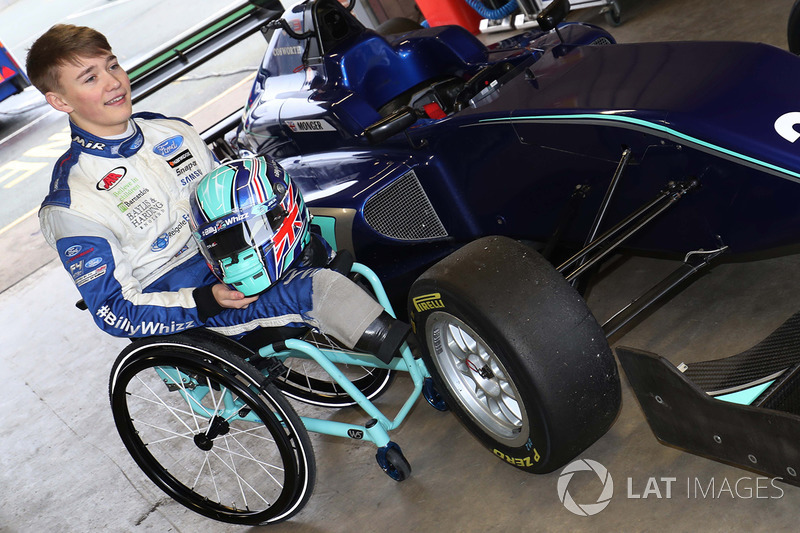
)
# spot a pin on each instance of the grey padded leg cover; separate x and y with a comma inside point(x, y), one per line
point(340, 308)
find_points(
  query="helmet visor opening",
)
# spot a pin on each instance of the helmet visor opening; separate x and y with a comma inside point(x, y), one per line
point(226, 243)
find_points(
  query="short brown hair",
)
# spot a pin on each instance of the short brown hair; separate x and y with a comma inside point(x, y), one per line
point(61, 44)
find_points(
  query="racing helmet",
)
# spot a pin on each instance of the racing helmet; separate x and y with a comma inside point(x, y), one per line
point(250, 223)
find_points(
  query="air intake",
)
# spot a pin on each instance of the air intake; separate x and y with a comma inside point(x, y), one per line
point(402, 211)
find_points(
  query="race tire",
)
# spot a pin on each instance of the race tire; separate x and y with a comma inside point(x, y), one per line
point(209, 431)
point(516, 353)
point(793, 28)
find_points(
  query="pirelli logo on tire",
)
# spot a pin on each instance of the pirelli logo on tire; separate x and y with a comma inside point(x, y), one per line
point(428, 302)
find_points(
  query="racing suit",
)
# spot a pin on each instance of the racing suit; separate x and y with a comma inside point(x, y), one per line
point(118, 215)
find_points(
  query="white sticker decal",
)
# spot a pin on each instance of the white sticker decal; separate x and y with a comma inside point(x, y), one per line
point(309, 125)
point(93, 275)
point(785, 126)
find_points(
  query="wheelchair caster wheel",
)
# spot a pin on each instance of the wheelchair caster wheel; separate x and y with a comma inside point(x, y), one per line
point(432, 395)
point(393, 462)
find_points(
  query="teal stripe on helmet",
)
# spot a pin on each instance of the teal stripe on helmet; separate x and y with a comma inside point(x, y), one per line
point(214, 192)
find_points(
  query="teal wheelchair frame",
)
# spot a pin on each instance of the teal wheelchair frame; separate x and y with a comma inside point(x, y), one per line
point(198, 395)
point(375, 432)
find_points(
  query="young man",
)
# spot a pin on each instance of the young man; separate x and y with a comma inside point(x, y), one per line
point(118, 215)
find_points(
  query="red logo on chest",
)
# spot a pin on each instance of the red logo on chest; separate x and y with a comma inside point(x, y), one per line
point(111, 179)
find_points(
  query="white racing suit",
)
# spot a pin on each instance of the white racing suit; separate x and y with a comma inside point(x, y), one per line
point(118, 215)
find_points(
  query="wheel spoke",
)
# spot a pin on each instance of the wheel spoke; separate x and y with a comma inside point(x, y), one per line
point(195, 441)
point(239, 479)
point(173, 434)
point(172, 410)
point(215, 401)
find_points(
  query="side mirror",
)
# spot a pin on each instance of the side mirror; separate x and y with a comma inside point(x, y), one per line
point(386, 127)
point(549, 17)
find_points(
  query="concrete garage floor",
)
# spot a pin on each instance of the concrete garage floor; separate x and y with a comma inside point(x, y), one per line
point(63, 467)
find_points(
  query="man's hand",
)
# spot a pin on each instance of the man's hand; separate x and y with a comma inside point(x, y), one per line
point(231, 299)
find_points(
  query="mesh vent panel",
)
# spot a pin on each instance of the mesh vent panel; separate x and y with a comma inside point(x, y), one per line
point(402, 211)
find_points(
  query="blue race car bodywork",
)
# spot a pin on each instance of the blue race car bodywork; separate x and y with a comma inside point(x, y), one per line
point(12, 79)
point(407, 146)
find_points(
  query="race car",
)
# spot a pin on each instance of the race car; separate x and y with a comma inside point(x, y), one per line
point(12, 79)
point(413, 145)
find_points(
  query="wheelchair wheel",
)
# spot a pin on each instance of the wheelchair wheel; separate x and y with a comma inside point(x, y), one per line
point(307, 382)
point(205, 429)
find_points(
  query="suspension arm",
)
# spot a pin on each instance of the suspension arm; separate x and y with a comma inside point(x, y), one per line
point(615, 236)
point(692, 264)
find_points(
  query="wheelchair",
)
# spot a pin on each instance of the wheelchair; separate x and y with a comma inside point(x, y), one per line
point(208, 421)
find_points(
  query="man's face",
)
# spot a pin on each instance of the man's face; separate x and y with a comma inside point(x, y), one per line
point(96, 92)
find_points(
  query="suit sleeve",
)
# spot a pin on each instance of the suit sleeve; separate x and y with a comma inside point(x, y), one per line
point(92, 256)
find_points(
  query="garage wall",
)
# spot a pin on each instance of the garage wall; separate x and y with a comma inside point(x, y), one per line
point(386, 9)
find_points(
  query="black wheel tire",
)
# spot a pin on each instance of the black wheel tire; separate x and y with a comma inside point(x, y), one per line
point(397, 25)
point(614, 14)
point(793, 28)
point(169, 439)
point(536, 383)
point(398, 464)
point(393, 462)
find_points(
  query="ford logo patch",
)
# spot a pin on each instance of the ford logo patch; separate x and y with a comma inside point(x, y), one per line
point(72, 251)
point(160, 243)
point(168, 146)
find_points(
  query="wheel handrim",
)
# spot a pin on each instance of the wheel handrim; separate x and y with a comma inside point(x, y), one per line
point(477, 379)
point(239, 474)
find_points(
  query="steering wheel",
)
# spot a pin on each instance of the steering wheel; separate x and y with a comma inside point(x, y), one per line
point(282, 24)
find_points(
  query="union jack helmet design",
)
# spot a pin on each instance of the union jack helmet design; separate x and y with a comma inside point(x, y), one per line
point(250, 222)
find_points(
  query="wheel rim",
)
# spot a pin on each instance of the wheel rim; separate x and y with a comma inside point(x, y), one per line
point(477, 379)
point(219, 452)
